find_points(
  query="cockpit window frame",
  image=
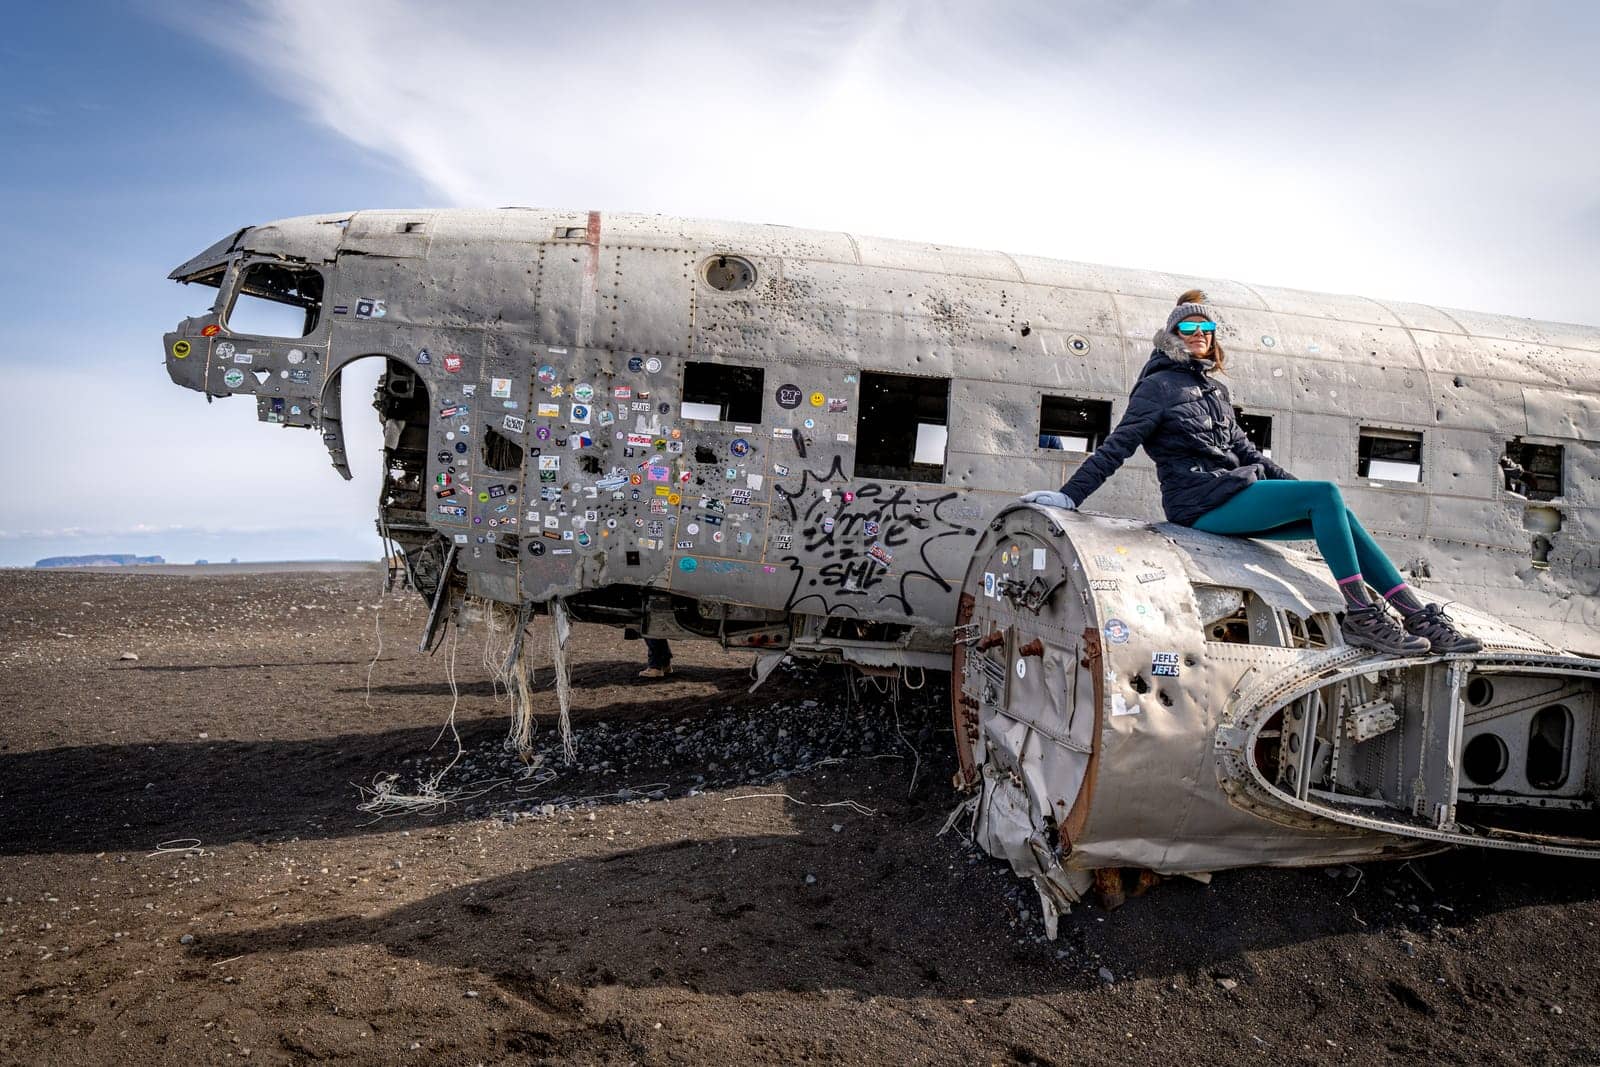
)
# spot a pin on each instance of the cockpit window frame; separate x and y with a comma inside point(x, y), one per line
point(233, 286)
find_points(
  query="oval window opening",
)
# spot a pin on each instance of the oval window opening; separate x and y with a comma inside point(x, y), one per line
point(1485, 759)
point(1479, 692)
point(1549, 744)
point(729, 274)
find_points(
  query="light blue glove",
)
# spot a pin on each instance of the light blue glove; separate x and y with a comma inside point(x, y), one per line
point(1049, 498)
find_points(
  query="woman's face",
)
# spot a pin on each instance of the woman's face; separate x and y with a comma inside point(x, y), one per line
point(1198, 343)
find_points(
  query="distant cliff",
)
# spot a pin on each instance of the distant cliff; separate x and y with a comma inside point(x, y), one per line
point(117, 560)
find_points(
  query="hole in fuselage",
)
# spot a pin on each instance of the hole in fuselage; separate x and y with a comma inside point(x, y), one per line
point(1485, 759)
point(1479, 692)
point(1549, 745)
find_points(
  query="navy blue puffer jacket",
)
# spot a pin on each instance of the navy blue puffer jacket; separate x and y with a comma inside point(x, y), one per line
point(1184, 419)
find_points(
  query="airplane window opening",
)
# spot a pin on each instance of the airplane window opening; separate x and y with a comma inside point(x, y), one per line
point(1258, 428)
point(1533, 471)
point(1073, 424)
point(729, 274)
point(1549, 745)
point(716, 392)
point(1479, 692)
point(902, 428)
point(507, 547)
point(571, 233)
point(1389, 455)
point(1541, 551)
point(275, 300)
point(1485, 759)
point(500, 453)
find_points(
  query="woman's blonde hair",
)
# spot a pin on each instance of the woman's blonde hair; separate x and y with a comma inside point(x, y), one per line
point(1218, 356)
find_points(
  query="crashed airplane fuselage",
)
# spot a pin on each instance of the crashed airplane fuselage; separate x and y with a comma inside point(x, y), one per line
point(796, 441)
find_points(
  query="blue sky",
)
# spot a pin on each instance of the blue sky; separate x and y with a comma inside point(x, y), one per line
point(1441, 152)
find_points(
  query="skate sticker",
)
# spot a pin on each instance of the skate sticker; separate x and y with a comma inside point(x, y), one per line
point(1117, 631)
point(1165, 664)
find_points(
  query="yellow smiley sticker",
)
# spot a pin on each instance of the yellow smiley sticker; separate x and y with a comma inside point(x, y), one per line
point(673, 498)
point(180, 350)
point(817, 400)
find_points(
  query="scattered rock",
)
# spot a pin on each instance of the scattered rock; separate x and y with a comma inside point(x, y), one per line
point(811, 879)
point(1228, 984)
point(131, 656)
point(186, 939)
point(1106, 976)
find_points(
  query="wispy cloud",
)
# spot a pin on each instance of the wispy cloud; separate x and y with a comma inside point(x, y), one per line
point(1418, 150)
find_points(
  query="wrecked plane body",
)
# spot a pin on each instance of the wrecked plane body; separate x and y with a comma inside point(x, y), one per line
point(1161, 698)
point(795, 441)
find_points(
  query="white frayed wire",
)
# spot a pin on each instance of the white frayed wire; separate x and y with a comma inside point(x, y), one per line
point(858, 808)
point(383, 799)
point(377, 623)
point(518, 669)
point(917, 766)
point(560, 627)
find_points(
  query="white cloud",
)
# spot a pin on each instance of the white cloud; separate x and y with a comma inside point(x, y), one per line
point(1422, 150)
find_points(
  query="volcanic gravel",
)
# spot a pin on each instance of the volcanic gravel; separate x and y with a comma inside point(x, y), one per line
point(187, 875)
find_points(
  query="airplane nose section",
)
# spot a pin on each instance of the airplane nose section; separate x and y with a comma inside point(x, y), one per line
point(186, 357)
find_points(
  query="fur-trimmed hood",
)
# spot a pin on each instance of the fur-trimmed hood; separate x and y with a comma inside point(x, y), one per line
point(1171, 345)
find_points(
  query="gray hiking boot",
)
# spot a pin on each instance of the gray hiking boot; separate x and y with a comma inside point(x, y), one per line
point(1432, 623)
point(1373, 627)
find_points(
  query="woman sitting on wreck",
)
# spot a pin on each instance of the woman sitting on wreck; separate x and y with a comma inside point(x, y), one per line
point(1214, 479)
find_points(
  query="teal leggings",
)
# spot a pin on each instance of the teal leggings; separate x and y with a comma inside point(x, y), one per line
point(1305, 511)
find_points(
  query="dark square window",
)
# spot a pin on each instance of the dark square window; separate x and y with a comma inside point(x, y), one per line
point(902, 428)
point(717, 392)
point(1073, 423)
point(1389, 455)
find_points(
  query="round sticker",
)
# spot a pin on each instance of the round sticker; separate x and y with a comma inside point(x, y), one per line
point(180, 349)
point(296, 356)
point(636, 479)
point(817, 400)
point(211, 331)
point(547, 374)
point(692, 529)
point(811, 424)
point(1022, 668)
point(451, 436)
point(542, 433)
point(1117, 631)
point(584, 392)
point(652, 364)
point(584, 538)
point(687, 563)
point(849, 497)
point(234, 378)
point(716, 535)
point(789, 396)
point(635, 364)
point(1078, 343)
point(461, 448)
point(224, 351)
point(674, 499)
point(536, 548)
point(483, 497)
point(740, 447)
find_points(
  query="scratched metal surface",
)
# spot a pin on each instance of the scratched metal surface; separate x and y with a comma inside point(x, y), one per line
point(583, 294)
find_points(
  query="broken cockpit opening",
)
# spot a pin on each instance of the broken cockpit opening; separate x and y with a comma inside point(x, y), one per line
point(273, 299)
